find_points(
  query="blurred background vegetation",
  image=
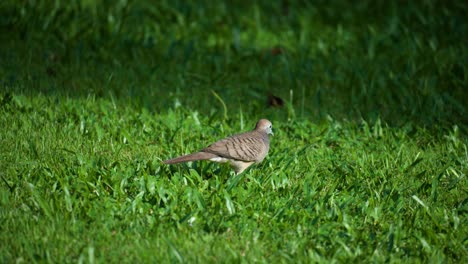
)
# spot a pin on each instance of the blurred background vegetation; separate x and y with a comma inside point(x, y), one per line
point(399, 61)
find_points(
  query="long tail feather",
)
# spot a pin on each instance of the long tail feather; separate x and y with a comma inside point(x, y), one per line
point(191, 157)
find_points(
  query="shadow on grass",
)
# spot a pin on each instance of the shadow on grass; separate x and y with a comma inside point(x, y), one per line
point(404, 64)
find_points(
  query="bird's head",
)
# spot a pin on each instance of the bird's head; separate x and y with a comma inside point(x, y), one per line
point(265, 126)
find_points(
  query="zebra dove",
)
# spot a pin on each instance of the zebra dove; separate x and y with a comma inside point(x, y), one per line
point(240, 151)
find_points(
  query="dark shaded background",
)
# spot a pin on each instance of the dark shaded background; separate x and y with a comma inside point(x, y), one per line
point(400, 61)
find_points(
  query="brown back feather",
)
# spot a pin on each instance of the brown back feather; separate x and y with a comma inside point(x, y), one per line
point(249, 146)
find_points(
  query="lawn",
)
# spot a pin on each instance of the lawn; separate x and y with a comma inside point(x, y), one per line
point(368, 103)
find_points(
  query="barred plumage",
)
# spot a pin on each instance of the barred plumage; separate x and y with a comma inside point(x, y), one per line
point(241, 150)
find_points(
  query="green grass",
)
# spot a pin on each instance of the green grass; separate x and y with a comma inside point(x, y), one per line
point(368, 162)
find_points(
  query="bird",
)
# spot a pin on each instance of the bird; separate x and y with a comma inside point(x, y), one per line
point(240, 150)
